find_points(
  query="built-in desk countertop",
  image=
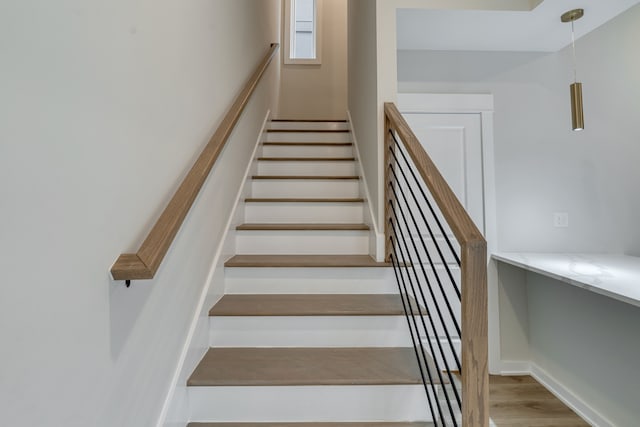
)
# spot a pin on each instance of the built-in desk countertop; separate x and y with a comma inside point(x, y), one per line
point(615, 276)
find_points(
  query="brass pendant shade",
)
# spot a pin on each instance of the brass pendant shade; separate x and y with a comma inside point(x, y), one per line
point(577, 115)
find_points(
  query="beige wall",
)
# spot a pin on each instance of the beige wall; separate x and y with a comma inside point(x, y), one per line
point(105, 105)
point(319, 91)
point(363, 91)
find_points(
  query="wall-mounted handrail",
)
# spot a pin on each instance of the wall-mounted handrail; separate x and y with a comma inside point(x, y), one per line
point(145, 263)
point(473, 260)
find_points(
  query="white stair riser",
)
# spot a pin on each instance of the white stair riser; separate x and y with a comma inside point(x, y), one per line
point(309, 403)
point(309, 331)
point(343, 280)
point(304, 212)
point(310, 168)
point(309, 125)
point(308, 137)
point(302, 242)
point(307, 151)
point(290, 188)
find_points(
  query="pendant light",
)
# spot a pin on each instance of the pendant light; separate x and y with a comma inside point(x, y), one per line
point(577, 115)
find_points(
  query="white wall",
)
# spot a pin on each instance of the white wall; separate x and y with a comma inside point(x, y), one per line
point(543, 167)
point(105, 105)
point(319, 91)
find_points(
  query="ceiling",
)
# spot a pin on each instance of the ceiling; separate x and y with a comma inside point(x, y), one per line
point(536, 30)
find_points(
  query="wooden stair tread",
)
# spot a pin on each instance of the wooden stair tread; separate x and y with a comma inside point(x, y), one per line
point(303, 200)
point(256, 366)
point(306, 159)
point(302, 227)
point(309, 130)
point(304, 261)
point(308, 144)
point(308, 177)
point(309, 424)
point(310, 120)
point(310, 305)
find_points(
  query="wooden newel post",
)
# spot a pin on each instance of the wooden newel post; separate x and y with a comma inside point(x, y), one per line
point(475, 365)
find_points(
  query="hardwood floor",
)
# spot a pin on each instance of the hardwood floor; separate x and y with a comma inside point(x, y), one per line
point(522, 402)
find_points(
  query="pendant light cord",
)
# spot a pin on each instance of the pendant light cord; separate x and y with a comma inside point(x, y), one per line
point(573, 46)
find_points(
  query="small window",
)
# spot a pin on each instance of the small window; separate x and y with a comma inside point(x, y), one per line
point(302, 38)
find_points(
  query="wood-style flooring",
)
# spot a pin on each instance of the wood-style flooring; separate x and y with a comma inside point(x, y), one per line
point(522, 402)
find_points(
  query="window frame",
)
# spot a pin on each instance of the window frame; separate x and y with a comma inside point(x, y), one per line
point(289, 30)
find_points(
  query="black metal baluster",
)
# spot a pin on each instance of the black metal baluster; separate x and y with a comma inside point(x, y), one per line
point(412, 323)
point(433, 297)
point(424, 195)
point(430, 259)
point(420, 353)
point(404, 156)
point(433, 327)
point(413, 339)
point(406, 241)
point(424, 218)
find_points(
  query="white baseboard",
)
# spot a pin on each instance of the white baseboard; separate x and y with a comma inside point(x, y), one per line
point(376, 238)
point(380, 246)
point(567, 397)
point(176, 403)
point(515, 367)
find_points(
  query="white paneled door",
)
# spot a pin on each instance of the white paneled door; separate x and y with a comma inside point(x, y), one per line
point(456, 130)
point(454, 142)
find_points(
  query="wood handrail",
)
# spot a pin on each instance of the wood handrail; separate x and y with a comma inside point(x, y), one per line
point(474, 327)
point(145, 263)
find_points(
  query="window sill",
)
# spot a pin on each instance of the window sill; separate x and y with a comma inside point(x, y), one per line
point(289, 61)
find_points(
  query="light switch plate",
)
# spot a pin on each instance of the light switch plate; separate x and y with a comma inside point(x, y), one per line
point(560, 219)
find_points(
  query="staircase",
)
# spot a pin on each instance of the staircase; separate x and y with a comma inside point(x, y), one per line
point(311, 330)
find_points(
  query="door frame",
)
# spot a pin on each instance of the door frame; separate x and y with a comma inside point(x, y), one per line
point(482, 104)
